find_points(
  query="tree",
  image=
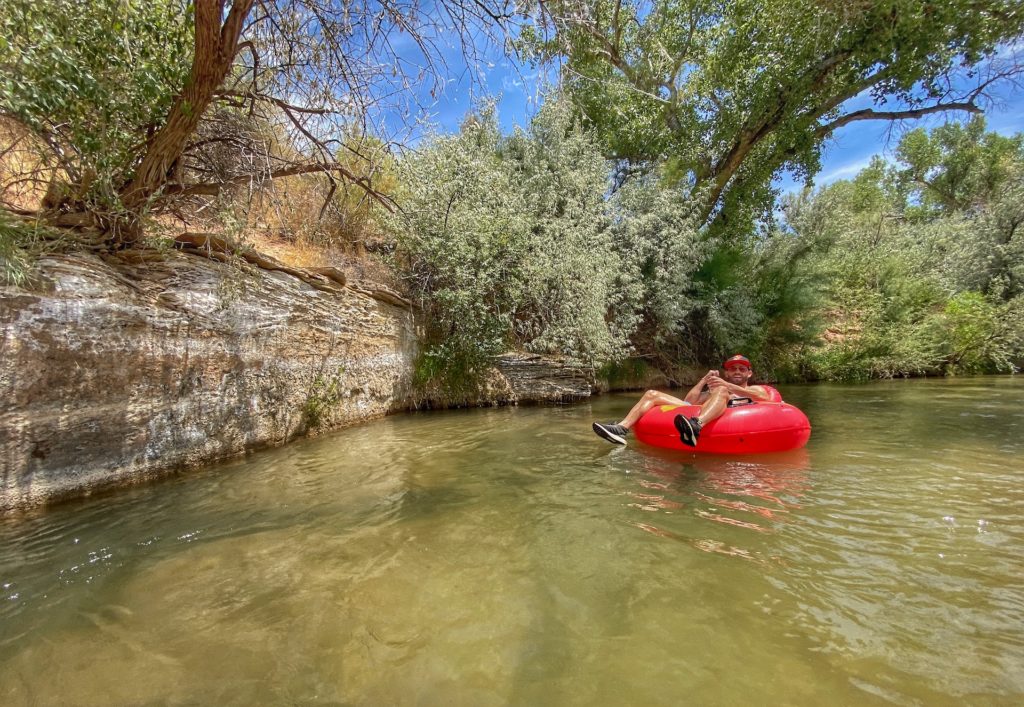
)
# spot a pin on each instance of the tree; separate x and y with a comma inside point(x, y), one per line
point(85, 83)
point(957, 166)
point(919, 261)
point(153, 72)
point(730, 92)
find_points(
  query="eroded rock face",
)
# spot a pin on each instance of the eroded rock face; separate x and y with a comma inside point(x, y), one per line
point(535, 378)
point(112, 373)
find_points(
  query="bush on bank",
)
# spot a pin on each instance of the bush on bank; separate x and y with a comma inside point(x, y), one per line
point(521, 242)
point(921, 262)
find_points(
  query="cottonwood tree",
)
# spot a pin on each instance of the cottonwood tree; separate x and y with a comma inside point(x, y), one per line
point(129, 99)
point(958, 167)
point(727, 93)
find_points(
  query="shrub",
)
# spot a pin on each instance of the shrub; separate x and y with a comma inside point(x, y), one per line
point(504, 241)
point(984, 336)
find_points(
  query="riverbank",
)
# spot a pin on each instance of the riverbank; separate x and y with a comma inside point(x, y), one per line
point(115, 372)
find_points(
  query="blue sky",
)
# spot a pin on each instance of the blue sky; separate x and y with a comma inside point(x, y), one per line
point(849, 151)
point(852, 146)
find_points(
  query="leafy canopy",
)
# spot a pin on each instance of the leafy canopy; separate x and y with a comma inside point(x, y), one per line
point(725, 93)
point(958, 166)
point(93, 79)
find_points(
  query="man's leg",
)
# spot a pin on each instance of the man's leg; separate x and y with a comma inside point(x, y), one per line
point(650, 399)
point(616, 433)
point(690, 427)
point(714, 406)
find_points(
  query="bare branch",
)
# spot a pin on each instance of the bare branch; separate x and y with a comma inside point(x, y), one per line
point(870, 114)
point(215, 188)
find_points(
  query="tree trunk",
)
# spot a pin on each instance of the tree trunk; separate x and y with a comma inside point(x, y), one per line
point(215, 48)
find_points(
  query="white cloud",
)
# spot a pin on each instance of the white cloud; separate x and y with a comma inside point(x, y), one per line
point(850, 169)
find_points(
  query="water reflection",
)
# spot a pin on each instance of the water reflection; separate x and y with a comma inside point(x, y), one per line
point(509, 557)
point(749, 493)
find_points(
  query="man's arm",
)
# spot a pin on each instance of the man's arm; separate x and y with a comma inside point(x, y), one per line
point(693, 397)
point(754, 392)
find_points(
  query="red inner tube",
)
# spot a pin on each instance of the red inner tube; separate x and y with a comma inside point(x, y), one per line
point(745, 429)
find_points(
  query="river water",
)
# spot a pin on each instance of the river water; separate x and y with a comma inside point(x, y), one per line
point(509, 556)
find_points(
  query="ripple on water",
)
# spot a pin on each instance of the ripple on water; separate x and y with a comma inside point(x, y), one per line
point(509, 557)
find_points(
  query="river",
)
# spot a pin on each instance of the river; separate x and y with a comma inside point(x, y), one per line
point(510, 557)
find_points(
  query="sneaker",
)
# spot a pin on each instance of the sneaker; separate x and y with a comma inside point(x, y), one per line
point(616, 434)
point(689, 429)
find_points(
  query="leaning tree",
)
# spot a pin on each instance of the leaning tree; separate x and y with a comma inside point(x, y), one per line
point(724, 94)
point(130, 103)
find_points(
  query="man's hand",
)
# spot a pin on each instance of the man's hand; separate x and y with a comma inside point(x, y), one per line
point(715, 381)
point(697, 394)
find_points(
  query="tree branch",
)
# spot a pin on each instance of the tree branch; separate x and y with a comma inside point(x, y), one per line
point(215, 49)
point(871, 114)
point(215, 188)
point(257, 96)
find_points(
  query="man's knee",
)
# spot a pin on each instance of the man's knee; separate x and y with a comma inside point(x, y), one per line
point(651, 394)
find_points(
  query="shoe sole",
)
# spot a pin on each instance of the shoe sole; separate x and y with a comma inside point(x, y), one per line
point(608, 435)
point(685, 429)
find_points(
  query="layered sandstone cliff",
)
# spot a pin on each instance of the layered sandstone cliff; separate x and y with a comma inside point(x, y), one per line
point(113, 373)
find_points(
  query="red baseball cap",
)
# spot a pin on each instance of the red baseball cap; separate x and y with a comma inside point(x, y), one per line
point(737, 360)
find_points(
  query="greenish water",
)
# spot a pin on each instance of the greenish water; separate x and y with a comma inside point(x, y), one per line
point(508, 556)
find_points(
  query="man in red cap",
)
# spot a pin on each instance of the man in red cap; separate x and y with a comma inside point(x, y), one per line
point(712, 393)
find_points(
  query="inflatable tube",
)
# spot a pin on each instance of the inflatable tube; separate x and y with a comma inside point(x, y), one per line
point(745, 429)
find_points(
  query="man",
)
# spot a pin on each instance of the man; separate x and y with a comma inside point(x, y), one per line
point(712, 393)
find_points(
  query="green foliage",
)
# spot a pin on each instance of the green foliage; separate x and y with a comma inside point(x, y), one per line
point(957, 166)
point(324, 393)
point(505, 242)
point(785, 294)
point(984, 336)
point(91, 78)
point(729, 93)
point(14, 263)
point(921, 261)
point(1001, 227)
point(661, 252)
point(461, 232)
point(697, 297)
point(628, 374)
point(21, 243)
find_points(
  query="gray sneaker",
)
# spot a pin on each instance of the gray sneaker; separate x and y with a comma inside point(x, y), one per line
point(689, 429)
point(616, 434)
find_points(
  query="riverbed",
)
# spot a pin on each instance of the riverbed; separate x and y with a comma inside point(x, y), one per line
point(510, 557)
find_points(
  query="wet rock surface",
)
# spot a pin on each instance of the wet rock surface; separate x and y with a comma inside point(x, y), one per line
point(112, 373)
